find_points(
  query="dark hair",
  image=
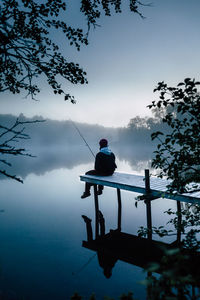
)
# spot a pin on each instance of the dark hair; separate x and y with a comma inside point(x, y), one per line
point(103, 143)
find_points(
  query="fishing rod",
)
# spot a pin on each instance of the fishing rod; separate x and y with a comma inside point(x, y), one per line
point(84, 266)
point(82, 137)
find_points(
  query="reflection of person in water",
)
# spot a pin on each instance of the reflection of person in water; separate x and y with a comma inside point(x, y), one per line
point(106, 259)
point(107, 262)
point(104, 166)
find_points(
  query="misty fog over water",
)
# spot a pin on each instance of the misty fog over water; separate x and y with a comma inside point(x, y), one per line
point(49, 159)
point(57, 144)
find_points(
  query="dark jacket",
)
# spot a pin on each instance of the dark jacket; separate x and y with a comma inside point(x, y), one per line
point(105, 163)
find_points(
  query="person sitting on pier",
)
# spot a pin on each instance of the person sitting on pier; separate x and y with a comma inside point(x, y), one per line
point(104, 166)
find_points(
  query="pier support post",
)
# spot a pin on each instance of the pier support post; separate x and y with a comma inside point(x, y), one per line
point(96, 204)
point(119, 221)
point(101, 223)
point(179, 221)
point(148, 204)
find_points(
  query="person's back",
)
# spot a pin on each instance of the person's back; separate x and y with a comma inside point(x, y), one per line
point(105, 162)
point(104, 166)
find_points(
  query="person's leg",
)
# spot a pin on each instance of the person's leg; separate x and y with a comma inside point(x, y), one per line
point(87, 190)
point(88, 185)
point(100, 189)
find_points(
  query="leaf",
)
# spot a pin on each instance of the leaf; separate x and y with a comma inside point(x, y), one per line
point(153, 267)
point(186, 80)
point(167, 140)
point(172, 251)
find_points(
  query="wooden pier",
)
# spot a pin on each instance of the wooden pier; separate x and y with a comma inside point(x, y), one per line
point(150, 187)
point(117, 245)
point(141, 184)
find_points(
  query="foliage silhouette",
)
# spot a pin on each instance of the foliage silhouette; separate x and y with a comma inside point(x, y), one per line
point(28, 49)
point(179, 266)
point(177, 154)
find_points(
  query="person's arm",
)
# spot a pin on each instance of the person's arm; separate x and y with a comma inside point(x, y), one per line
point(97, 162)
point(113, 155)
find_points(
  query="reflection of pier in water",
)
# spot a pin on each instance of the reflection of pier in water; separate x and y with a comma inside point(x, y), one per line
point(117, 245)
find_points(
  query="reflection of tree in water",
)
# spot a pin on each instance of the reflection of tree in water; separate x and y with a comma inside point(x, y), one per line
point(138, 156)
point(48, 160)
point(51, 158)
point(179, 267)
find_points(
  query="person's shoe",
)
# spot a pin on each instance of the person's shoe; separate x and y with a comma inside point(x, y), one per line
point(85, 195)
point(99, 192)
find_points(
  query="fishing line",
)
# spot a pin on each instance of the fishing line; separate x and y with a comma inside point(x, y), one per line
point(86, 143)
point(82, 137)
point(84, 266)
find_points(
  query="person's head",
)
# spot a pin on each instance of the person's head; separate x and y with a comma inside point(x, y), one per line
point(107, 272)
point(103, 143)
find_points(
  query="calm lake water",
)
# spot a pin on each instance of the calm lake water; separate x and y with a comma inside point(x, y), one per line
point(41, 234)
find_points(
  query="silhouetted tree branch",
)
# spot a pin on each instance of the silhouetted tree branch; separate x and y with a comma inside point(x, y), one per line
point(9, 136)
point(27, 48)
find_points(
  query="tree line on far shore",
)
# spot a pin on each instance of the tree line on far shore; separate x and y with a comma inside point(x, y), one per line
point(63, 133)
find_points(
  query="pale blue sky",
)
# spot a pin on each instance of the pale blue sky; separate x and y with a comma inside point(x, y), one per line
point(125, 59)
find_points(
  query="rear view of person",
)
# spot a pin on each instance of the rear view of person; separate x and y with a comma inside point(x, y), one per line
point(104, 166)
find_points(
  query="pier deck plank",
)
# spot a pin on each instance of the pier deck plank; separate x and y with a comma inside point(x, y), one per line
point(136, 183)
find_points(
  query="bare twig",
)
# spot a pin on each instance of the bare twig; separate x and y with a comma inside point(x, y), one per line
point(10, 135)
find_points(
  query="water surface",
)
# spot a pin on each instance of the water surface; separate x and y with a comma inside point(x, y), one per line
point(41, 233)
